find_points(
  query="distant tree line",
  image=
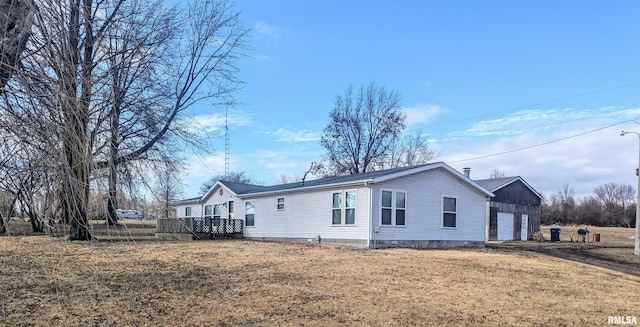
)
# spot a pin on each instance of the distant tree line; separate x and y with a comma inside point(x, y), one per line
point(610, 205)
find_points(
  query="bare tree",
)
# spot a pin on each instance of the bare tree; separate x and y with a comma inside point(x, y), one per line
point(16, 22)
point(614, 198)
point(107, 97)
point(167, 189)
point(286, 179)
point(497, 173)
point(408, 150)
point(363, 126)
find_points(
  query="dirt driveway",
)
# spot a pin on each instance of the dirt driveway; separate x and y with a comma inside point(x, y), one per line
point(618, 258)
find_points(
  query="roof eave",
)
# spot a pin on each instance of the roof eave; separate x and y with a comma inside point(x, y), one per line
point(311, 187)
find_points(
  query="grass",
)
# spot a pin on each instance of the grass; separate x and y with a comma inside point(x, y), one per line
point(609, 236)
point(51, 282)
point(615, 244)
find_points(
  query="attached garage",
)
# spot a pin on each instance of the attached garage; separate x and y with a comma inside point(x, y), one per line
point(514, 211)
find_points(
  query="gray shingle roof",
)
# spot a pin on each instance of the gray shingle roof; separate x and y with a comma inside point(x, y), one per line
point(322, 181)
point(494, 183)
point(241, 189)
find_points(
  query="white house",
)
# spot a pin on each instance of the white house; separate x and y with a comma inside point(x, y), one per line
point(430, 205)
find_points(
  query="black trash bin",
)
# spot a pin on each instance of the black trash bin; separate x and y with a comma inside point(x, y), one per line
point(555, 234)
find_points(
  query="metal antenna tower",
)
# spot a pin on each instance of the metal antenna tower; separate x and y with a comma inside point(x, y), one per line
point(226, 142)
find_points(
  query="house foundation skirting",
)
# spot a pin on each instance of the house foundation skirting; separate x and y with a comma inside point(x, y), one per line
point(427, 244)
point(336, 241)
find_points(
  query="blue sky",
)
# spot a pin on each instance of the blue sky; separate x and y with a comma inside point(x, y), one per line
point(539, 89)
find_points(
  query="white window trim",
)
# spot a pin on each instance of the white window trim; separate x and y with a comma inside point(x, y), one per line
point(393, 208)
point(343, 209)
point(442, 212)
point(284, 207)
point(255, 205)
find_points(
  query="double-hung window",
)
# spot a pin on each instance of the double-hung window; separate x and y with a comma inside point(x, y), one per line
point(393, 207)
point(350, 208)
point(249, 213)
point(343, 204)
point(449, 211)
point(336, 211)
point(280, 203)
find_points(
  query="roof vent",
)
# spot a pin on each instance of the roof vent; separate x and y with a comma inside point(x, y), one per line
point(467, 172)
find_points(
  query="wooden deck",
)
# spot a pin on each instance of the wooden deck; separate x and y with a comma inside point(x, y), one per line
point(202, 228)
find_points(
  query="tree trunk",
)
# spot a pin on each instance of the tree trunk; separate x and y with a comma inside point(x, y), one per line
point(15, 29)
point(112, 203)
point(76, 183)
point(3, 227)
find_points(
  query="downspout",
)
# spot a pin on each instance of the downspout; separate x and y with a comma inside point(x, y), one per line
point(371, 234)
point(487, 216)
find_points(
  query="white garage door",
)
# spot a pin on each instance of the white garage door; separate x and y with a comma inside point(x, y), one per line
point(505, 226)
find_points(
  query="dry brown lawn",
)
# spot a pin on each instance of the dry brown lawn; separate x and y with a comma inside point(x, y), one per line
point(51, 282)
point(609, 236)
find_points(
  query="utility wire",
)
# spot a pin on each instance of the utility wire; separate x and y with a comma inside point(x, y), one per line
point(540, 144)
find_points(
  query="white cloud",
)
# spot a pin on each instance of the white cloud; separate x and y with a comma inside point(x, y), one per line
point(265, 29)
point(211, 123)
point(292, 135)
point(584, 162)
point(541, 119)
point(423, 113)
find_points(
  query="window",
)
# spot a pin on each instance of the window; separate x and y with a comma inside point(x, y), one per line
point(387, 209)
point(337, 209)
point(343, 205)
point(216, 215)
point(207, 211)
point(350, 208)
point(393, 208)
point(230, 206)
point(187, 212)
point(400, 208)
point(249, 213)
point(449, 209)
point(280, 203)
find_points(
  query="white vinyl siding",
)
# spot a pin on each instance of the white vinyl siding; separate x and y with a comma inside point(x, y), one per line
point(393, 207)
point(309, 214)
point(423, 208)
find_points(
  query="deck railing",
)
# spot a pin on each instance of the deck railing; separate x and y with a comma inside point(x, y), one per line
point(201, 227)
